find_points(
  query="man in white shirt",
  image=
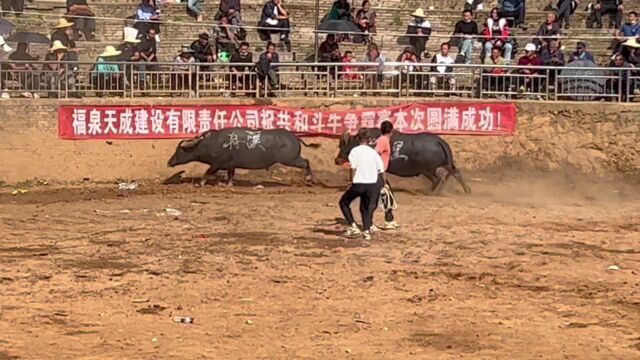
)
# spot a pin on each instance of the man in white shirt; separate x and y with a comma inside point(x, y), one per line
point(443, 72)
point(368, 167)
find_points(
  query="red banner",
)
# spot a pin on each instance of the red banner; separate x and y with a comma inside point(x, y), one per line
point(79, 122)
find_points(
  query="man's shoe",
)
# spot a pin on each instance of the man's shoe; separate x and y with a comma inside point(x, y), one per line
point(353, 230)
point(366, 235)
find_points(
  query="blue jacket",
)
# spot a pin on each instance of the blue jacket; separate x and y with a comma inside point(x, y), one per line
point(511, 5)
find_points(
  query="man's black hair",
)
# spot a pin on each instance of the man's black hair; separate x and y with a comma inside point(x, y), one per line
point(386, 127)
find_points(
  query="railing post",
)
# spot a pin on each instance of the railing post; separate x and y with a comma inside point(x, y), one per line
point(628, 87)
point(479, 82)
point(197, 82)
point(335, 80)
point(131, 77)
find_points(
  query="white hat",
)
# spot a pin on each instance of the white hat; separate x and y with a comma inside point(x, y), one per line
point(632, 43)
point(530, 47)
point(57, 45)
point(3, 45)
point(419, 13)
point(131, 35)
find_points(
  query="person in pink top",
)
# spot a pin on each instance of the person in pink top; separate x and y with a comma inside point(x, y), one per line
point(383, 147)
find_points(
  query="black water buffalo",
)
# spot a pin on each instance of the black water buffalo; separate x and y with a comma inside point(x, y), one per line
point(242, 148)
point(413, 155)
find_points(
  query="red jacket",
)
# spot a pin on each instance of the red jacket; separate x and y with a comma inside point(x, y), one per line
point(488, 34)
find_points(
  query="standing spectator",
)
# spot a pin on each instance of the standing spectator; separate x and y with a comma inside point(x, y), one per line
point(108, 75)
point(548, 31)
point(195, 8)
point(17, 6)
point(148, 56)
point(203, 51)
point(467, 30)
point(613, 7)
point(341, 10)
point(276, 20)
point(66, 35)
point(443, 72)
point(496, 34)
point(267, 72)
point(552, 56)
point(515, 9)
point(348, 71)
point(231, 10)
point(330, 50)
point(383, 148)
point(147, 16)
point(129, 52)
point(22, 70)
point(566, 8)
point(530, 64)
point(227, 38)
point(184, 73)
point(83, 18)
point(496, 74)
point(368, 168)
point(419, 30)
point(241, 75)
point(581, 53)
point(374, 56)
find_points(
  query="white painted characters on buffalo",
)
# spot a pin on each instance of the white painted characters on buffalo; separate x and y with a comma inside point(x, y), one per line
point(252, 141)
point(395, 154)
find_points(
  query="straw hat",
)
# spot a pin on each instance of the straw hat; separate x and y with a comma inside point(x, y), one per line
point(110, 51)
point(419, 13)
point(632, 43)
point(186, 50)
point(131, 35)
point(57, 45)
point(3, 45)
point(63, 23)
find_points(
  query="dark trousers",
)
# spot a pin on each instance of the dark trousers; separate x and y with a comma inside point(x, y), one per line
point(15, 5)
point(564, 12)
point(368, 194)
point(608, 9)
point(86, 26)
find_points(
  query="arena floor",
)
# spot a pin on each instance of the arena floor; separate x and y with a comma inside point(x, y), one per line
point(517, 269)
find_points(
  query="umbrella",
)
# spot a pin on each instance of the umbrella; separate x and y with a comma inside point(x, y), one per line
point(344, 26)
point(29, 38)
point(6, 27)
point(588, 83)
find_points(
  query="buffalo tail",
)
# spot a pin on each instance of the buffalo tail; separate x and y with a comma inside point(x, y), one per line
point(313, 146)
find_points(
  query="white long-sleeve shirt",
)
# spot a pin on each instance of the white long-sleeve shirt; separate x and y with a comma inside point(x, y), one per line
point(367, 164)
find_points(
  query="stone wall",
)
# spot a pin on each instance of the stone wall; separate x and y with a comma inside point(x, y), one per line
point(594, 139)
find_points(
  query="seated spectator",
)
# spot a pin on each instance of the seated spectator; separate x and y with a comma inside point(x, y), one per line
point(241, 75)
point(59, 77)
point(147, 16)
point(348, 71)
point(9, 6)
point(473, 5)
point(443, 72)
point(330, 50)
point(496, 33)
point(629, 49)
point(202, 50)
point(581, 53)
point(515, 9)
point(184, 73)
point(194, 7)
point(530, 64)
point(566, 8)
point(231, 10)
point(22, 71)
point(129, 51)
point(552, 56)
point(410, 62)
point(82, 16)
point(627, 31)
point(548, 31)
point(227, 37)
point(267, 72)
point(107, 75)
point(621, 84)
point(276, 20)
point(366, 18)
point(612, 7)
point(466, 29)
point(148, 51)
point(496, 79)
point(420, 30)
point(341, 10)
point(66, 35)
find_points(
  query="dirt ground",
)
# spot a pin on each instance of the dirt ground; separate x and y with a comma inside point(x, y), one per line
point(518, 269)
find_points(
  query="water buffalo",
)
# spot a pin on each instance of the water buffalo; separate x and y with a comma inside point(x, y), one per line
point(241, 148)
point(413, 155)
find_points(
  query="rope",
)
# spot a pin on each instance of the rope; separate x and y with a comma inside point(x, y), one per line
point(387, 200)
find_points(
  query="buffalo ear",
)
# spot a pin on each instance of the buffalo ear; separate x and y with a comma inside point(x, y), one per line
point(188, 144)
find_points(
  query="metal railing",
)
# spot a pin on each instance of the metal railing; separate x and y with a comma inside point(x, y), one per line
point(192, 80)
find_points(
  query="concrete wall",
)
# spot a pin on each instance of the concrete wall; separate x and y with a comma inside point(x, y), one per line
point(594, 139)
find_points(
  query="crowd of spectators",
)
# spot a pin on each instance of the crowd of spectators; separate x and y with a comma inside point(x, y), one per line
point(227, 43)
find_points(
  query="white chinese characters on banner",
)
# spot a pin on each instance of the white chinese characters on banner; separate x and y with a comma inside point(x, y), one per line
point(184, 121)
